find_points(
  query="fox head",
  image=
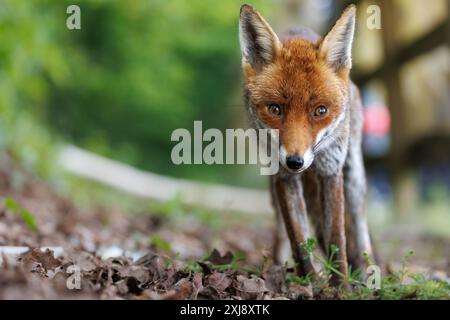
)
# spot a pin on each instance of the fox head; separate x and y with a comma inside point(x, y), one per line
point(297, 86)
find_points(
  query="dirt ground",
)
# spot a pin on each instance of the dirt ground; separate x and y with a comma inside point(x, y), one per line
point(118, 255)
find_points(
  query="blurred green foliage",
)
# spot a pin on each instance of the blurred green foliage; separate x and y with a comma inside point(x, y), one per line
point(136, 71)
point(24, 214)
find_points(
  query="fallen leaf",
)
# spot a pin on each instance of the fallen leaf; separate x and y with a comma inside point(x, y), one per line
point(197, 281)
point(275, 278)
point(45, 259)
point(183, 290)
point(250, 288)
point(219, 280)
point(216, 258)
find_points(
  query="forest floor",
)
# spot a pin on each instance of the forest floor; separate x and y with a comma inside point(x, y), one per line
point(170, 253)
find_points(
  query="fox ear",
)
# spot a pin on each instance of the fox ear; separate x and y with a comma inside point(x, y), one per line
point(259, 44)
point(336, 47)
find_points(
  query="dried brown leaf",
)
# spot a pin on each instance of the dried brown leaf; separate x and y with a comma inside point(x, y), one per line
point(216, 258)
point(250, 288)
point(218, 280)
point(45, 259)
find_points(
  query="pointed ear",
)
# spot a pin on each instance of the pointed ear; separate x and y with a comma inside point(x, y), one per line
point(259, 44)
point(336, 47)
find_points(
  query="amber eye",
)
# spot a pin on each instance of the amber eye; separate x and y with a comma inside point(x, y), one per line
point(320, 111)
point(274, 109)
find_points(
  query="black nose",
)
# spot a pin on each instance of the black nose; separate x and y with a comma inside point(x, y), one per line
point(294, 162)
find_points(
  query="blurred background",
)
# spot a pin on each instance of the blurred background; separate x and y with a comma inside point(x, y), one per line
point(137, 70)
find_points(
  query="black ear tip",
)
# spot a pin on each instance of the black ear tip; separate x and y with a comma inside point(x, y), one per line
point(246, 8)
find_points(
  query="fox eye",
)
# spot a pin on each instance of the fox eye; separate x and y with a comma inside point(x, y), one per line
point(274, 109)
point(320, 111)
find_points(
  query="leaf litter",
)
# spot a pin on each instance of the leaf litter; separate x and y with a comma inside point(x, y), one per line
point(109, 254)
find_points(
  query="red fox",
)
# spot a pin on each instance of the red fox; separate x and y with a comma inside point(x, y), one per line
point(299, 84)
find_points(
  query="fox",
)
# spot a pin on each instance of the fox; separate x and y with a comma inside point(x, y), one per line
point(299, 83)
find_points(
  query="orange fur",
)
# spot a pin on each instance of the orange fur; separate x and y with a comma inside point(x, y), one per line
point(299, 80)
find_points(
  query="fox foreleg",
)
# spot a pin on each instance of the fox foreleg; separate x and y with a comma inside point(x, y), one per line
point(288, 200)
point(355, 193)
point(334, 226)
point(281, 250)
